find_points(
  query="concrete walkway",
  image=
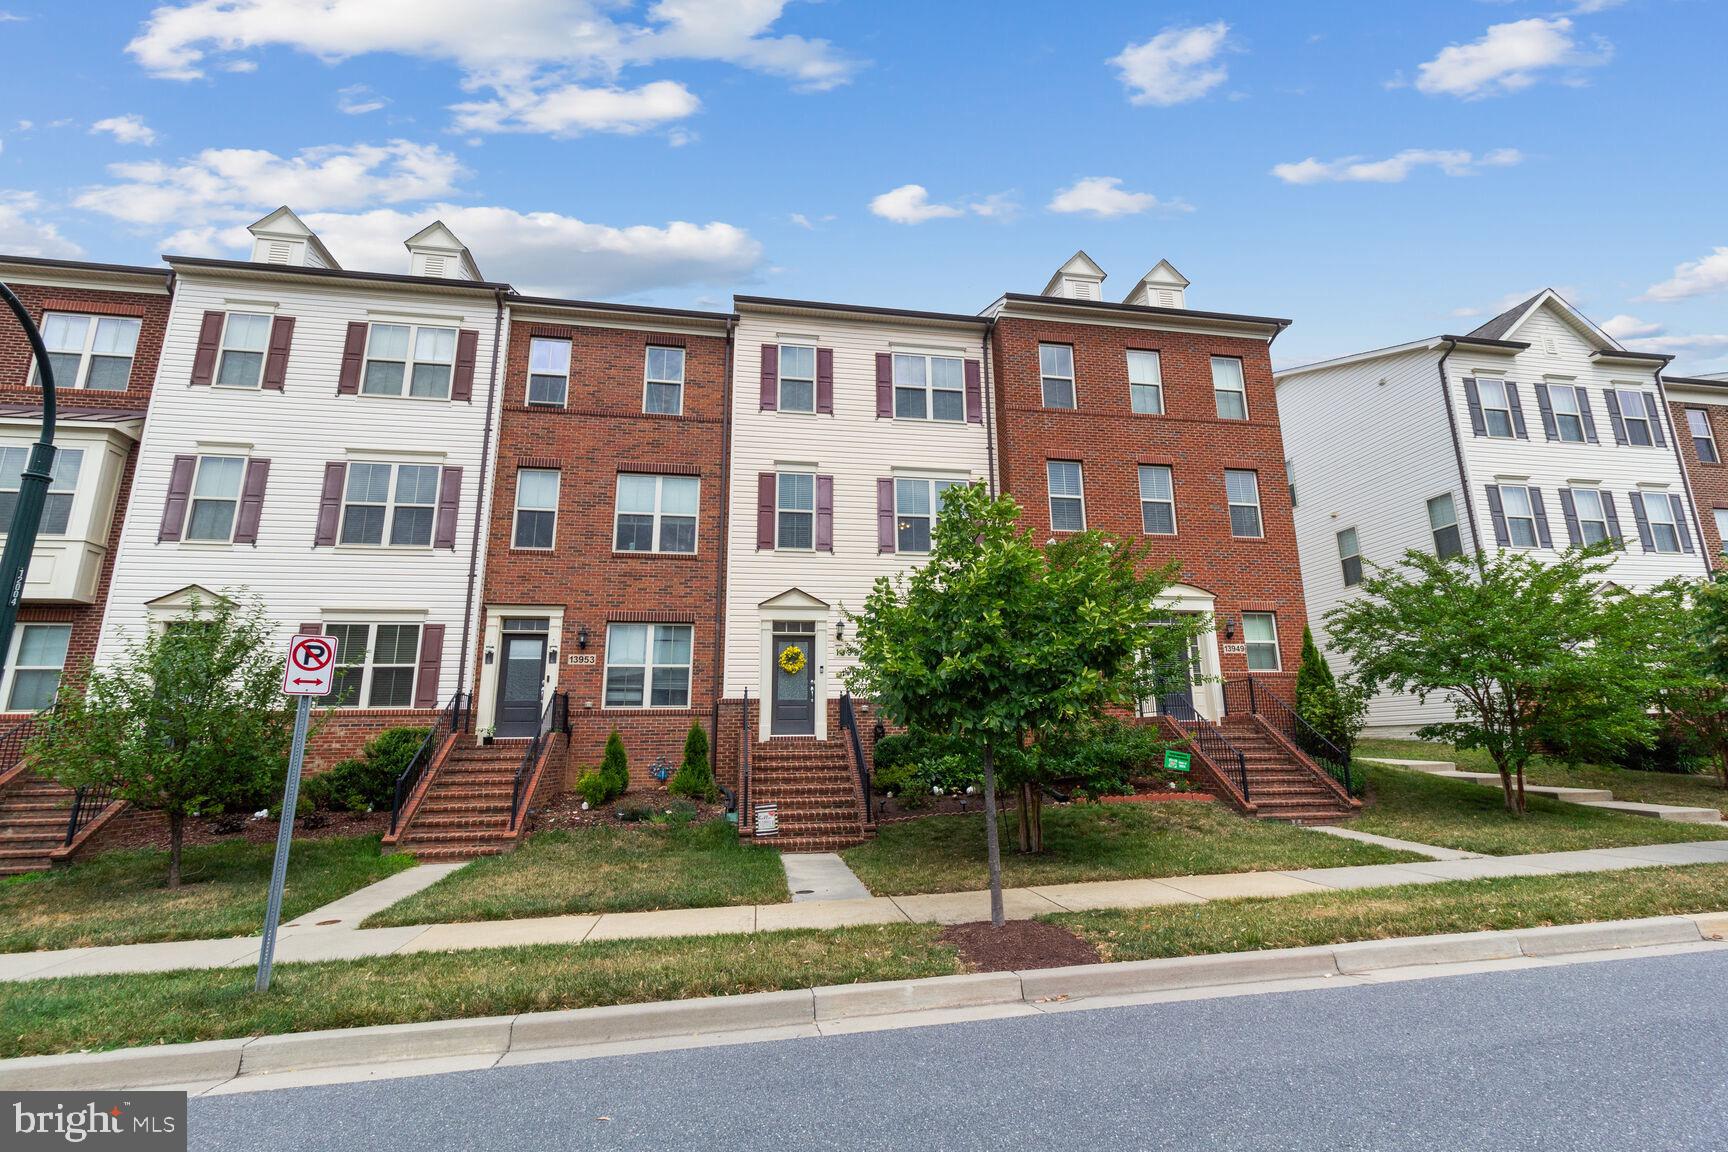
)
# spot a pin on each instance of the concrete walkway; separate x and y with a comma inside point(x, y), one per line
point(312, 943)
point(344, 915)
point(821, 876)
point(1587, 797)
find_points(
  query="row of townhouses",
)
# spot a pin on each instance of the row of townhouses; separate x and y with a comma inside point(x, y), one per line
point(658, 516)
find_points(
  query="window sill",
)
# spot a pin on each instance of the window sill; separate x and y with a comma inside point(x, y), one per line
point(655, 555)
point(386, 549)
point(411, 399)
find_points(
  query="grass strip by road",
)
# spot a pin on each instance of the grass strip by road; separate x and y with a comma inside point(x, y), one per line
point(1416, 806)
point(1097, 842)
point(1411, 910)
point(92, 1012)
point(122, 897)
point(633, 868)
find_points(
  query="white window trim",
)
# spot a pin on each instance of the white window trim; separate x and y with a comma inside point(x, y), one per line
point(1721, 518)
point(83, 452)
point(1277, 645)
point(1242, 371)
point(239, 494)
point(1709, 435)
point(1577, 413)
point(263, 353)
point(779, 508)
point(660, 479)
point(1073, 379)
point(1344, 558)
point(1157, 386)
point(528, 380)
point(648, 667)
point(1434, 529)
point(1506, 511)
point(1052, 497)
point(1601, 508)
point(929, 386)
point(933, 515)
point(1258, 505)
point(683, 371)
point(1504, 407)
point(408, 362)
point(517, 510)
point(389, 509)
point(86, 355)
point(1175, 526)
point(9, 675)
point(1644, 417)
point(372, 621)
point(1669, 520)
point(780, 377)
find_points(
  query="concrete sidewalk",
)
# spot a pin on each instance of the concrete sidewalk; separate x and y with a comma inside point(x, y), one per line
point(314, 943)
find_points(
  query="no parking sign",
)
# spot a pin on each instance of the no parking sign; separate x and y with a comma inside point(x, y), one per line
point(311, 669)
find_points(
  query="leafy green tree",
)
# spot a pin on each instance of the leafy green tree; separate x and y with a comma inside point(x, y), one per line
point(189, 719)
point(1514, 645)
point(1684, 626)
point(1336, 711)
point(995, 640)
point(695, 776)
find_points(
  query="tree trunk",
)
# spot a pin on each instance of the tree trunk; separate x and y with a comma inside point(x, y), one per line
point(1521, 808)
point(1508, 791)
point(176, 829)
point(1722, 763)
point(1037, 818)
point(992, 848)
point(1023, 822)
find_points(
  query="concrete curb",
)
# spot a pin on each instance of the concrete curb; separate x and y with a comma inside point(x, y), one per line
point(222, 1060)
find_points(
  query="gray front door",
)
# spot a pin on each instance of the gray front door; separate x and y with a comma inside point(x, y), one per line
point(1176, 685)
point(794, 691)
point(520, 675)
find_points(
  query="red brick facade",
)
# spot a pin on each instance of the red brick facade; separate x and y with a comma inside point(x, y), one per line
point(1709, 481)
point(1111, 441)
point(601, 432)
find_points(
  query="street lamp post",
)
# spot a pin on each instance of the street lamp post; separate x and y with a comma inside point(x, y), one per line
point(32, 490)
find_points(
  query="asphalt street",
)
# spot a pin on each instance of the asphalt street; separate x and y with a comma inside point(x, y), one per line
point(1628, 1054)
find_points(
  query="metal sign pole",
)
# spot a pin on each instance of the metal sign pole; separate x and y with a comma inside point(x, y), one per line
point(284, 838)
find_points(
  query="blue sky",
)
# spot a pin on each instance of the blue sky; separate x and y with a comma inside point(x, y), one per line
point(1375, 172)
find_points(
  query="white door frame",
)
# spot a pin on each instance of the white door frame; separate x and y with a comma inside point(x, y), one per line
point(798, 607)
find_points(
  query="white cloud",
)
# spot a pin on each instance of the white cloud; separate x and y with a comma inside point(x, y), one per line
point(910, 204)
point(1394, 169)
point(1176, 66)
point(1105, 198)
point(1624, 327)
point(358, 99)
point(1507, 58)
point(1585, 7)
point(227, 185)
point(24, 233)
point(1712, 344)
point(127, 129)
point(1694, 278)
point(545, 62)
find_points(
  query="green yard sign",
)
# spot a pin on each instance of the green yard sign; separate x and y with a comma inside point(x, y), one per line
point(1177, 761)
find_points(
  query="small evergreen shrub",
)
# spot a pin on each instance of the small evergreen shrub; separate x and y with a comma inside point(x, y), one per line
point(615, 765)
point(1333, 710)
point(593, 787)
point(695, 776)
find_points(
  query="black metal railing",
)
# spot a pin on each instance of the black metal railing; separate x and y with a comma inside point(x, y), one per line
point(88, 802)
point(554, 722)
point(449, 722)
point(1249, 695)
point(1210, 740)
point(849, 722)
point(744, 769)
point(14, 741)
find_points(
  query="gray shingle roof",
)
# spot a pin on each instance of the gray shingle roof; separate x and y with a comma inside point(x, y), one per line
point(1497, 328)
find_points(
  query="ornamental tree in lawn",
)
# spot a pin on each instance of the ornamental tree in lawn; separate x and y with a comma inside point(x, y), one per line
point(1684, 625)
point(1519, 648)
point(995, 639)
point(190, 719)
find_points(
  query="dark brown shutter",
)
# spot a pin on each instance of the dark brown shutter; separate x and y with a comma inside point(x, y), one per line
point(1652, 406)
point(330, 504)
point(179, 493)
point(1569, 509)
point(1540, 508)
point(1615, 415)
point(974, 392)
point(276, 360)
point(353, 355)
point(431, 661)
point(1549, 428)
point(1645, 536)
point(251, 502)
point(885, 539)
point(824, 513)
point(884, 386)
point(449, 500)
point(467, 350)
point(312, 628)
point(1497, 511)
point(1517, 405)
point(1589, 416)
point(825, 381)
point(209, 339)
point(1613, 516)
point(1680, 524)
point(770, 391)
point(765, 511)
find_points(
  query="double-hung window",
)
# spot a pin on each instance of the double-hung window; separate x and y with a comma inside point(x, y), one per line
point(664, 388)
point(1228, 387)
point(929, 387)
point(389, 503)
point(1145, 383)
point(408, 355)
point(1703, 437)
point(1520, 515)
point(548, 372)
point(57, 505)
point(92, 352)
point(1568, 416)
point(1157, 500)
point(1056, 372)
point(1242, 494)
point(1722, 529)
point(795, 511)
point(917, 504)
point(1637, 417)
point(536, 508)
point(375, 665)
point(245, 340)
point(1496, 407)
point(1260, 630)
point(656, 513)
point(648, 665)
point(215, 498)
point(1664, 529)
point(1350, 557)
point(1443, 523)
point(797, 378)
point(1592, 515)
point(1067, 496)
point(39, 655)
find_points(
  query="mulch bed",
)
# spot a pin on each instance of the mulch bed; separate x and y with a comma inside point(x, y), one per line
point(566, 811)
point(893, 809)
point(1018, 945)
point(150, 829)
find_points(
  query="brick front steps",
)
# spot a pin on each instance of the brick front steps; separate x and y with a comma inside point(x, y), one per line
point(816, 789)
point(33, 817)
point(1280, 785)
point(466, 809)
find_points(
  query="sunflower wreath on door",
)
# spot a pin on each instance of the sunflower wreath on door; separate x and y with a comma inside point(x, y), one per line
point(792, 660)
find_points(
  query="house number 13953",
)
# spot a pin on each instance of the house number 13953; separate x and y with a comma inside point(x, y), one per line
point(584, 658)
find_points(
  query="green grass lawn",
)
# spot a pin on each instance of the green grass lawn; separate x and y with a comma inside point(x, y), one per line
point(1699, 790)
point(1412, 910)
point(91, 1012)
point(629, 868)
point(1096, 842)
point(1457, 814)
point(122, 897)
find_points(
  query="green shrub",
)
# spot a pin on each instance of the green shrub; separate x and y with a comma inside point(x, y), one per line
point(1336, 711)
point(366, 782)
point(615, 765)
point(593, 787)
point(695, 776)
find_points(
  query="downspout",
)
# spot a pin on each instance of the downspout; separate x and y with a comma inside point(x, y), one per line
point(989, 423)
point(720, 559)
point(1458, 453)
point(1685, 475)
point(480, 495)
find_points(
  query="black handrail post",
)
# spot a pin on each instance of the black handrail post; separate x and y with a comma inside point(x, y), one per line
point(32, 487)
point(1253, 704)
point(77, 807)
